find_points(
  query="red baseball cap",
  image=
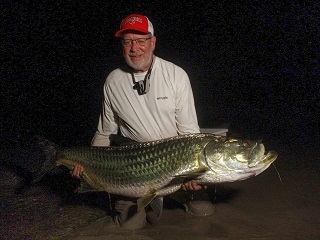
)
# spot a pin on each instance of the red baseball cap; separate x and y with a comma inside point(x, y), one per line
point(135, 22)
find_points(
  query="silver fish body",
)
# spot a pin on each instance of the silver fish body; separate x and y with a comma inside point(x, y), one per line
point(158, 168)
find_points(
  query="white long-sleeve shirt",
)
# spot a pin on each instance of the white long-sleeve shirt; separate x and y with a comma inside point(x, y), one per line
point(166, 110)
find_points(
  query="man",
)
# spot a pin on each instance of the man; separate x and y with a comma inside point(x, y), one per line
point(149, 99)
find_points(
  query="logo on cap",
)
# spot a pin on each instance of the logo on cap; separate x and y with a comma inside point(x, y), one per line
point(132, 20)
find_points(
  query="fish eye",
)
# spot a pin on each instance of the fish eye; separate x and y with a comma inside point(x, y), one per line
point(246, 144)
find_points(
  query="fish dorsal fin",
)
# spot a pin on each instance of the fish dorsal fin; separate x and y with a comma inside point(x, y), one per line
point(48, 167)
point(66, 162)
point(89, 179)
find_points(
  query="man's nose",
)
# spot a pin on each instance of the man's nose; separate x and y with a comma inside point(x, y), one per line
point(134, 45)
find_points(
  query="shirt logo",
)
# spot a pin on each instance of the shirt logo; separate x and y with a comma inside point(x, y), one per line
point(162, 98)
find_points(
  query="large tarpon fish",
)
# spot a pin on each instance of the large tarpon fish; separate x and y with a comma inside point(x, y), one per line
point(151, 170)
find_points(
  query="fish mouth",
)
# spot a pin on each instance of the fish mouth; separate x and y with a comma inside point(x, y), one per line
point(267, 159)
point(270, 157)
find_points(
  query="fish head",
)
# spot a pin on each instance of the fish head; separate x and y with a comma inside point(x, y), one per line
point(236, 159)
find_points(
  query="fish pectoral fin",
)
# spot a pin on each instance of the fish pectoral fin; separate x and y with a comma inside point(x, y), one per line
point(145, 201)
point(189, 175)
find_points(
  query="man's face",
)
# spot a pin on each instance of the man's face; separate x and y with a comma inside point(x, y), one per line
point(139, 57)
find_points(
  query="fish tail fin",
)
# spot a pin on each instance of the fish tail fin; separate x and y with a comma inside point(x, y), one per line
point(49, 151)
point(30, 157)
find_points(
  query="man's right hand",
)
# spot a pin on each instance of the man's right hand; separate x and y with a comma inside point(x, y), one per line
point(77, 171)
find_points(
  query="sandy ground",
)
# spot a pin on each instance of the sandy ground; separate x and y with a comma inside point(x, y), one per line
point(264, 207)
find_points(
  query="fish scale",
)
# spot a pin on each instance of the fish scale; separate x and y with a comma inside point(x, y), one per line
point(156, 162)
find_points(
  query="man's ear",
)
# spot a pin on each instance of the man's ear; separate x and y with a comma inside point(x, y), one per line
point(153, 42)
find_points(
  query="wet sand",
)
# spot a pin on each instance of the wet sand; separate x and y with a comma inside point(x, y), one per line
point(264, 207)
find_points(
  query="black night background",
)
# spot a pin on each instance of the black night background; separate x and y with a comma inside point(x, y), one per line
point(254, 67)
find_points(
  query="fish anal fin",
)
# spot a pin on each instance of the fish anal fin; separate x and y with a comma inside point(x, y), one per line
point(157, 206)
point(154, 210)
point(145, 201)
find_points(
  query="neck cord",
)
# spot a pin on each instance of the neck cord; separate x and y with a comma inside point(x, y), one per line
point(143, 86)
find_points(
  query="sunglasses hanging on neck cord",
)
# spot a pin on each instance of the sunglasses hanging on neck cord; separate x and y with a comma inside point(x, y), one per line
point(143, 86)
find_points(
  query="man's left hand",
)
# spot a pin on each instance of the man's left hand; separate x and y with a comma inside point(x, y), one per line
point(191, 185)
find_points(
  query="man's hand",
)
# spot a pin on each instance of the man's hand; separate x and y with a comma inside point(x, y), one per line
point(191, 185)
point(77, 171)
